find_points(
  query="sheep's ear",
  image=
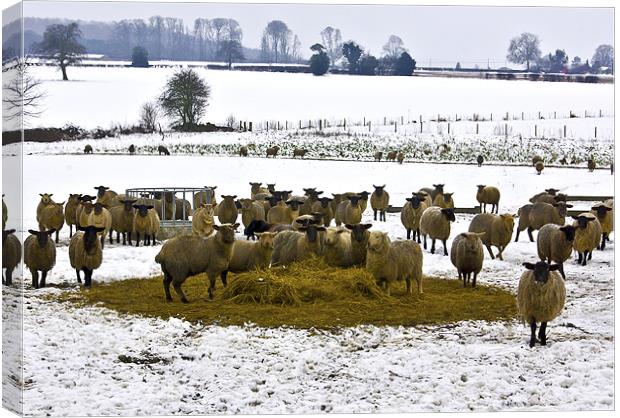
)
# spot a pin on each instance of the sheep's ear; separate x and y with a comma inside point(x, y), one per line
point(61, 203)
point(349, 226)
point(568, 206)
point(99, 229)
point(235, 226)
point(575, 217)
point(480, 234)
point(30, 231)
point(10, 231)
point(136, 206)
point(529, 266)
point(554, 267)
point(122, 201)
point(366, 226)
point(409, 199)
point(234, 197)
point(40, 194)
point(216, 227)
point(51, 231)
point(321, 228)
point(608, 209)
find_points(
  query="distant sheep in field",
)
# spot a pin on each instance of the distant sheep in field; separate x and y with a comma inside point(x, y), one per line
point(11, 254)
point(591, 164)
point(535, 159)
point(539, 166)
point(400, 157)
point(555, 243)
point(188, 255)
point(378, 155)
point(587, 236)
point(435, 222)
point(39, 255)
point(243, 151)
point(291, 246)
point(540, 297)
point(379, 202)
point(480, 160)
point(85, 253)
point(391, 261)
point(272, 151)
point(132, 149)
point(52, 217)
point(88, 149)
point(467, 255)
point(391, 156)
point(533, 217)
point(497, 231)
point(299, 152)
point(488, 195)
point(605, 216)
point(163, 150)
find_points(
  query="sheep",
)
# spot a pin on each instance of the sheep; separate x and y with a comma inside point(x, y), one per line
point(243, 151)
point(272, 151)
point(163, 150)
point(84, 209)
point(467, 255)
point(291, 246)
point(11, 254)
point(226, 211)
point(187, 255)
point(132, 149)
point(145, 222)
point(46, 199)
point(359, 242)
point(71, 211)
point(426, 198)
point(587, 236)
point(535, 159)
point(379, 202)
point(533, 217)
point(549, 196)
point(555, 243)
point(5, 213)
point(390, 261)
point(202, 220)
point(540, 297)
point(539, 166)
point(400, 157)
point(206, 196)
point(323, 206)
point(257, 227)
point(391, 156)
point(52, 217)
point(248, 255)
point(88, 149)
point(299, 152)
point(488, 195)
point(314, 218)
point(101, 217)
point(480, 160)
point(175, 208)
point(284, 213)
point(437, 189)
point(336, 199)
point(591, 164)
point(410, 215)
point(497, 231)
point(157, 204)
point(378, 155)
point(435, 222)
point(39, 255)
point(337, 247)
point(251, 210)
point(605, 216)
point(256, 189)
point(609, 202)
point(105, 196)
point(444, 200)
point(312, 196)
point(349, 211)
point(85, 252)
point(122, 220)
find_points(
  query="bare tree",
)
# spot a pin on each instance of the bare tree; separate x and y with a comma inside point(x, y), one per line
point(23, 95)
point(603, 57)
point(277, 35)
point(524, 49)
point(394, 47)
point(61, 43)
point(332, 41)
point(149, 116)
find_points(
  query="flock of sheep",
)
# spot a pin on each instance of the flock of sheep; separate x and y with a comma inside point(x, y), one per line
point(296, 227)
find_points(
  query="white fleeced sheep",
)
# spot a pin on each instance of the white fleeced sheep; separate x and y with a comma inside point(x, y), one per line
point(249, 255)
point(605, 216)
point(411, 213)
point(379, 202)
point(146, 224)
point(497, 231)
point(85, 253)
point(202, 220)
point(587, 236)
point(391, 261)
point(488, 195)
point(100, 217)
point(435, 222)
point(291, 246)
point(52, 217)
point(467, 255)
point(540, 297)
point(337, 247)
point(554, 243)
point(39, 255)
point(533, 217)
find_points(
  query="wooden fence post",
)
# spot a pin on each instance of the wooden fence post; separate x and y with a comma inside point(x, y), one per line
point(554, 115)
point(369, 127)
point(250, 126)
point(420, 118)
point(522, 115)
point(320, 124)
point(535, 131)
point(385, 120)
point(477, 128)
point(595, 132)
point(344, 123)
point(395, 125)
point(506, 129)
point(421, 127)
point(564, 131)
point(539, 114)
point(491, 117)
point(245, 126)
point(448, 128)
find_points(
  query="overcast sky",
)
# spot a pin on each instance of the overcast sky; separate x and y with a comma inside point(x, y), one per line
point(443, 34)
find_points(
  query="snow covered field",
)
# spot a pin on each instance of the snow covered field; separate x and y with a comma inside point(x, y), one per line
point(72, 354)
point(105, 96)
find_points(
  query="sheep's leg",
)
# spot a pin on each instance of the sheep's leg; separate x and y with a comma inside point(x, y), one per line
point(408, 282)
point(462, 277)
point(475, 277)
point(445, 247)
point(590, 256)
point(603, 242)
point(145, 242)
point(409, 233)
point(585, 258)
point(375, 214)
point(490, 252)
point(35, 278)
point(77, 272)
point(137, 239)
point(579, 258)
point(500, 253)
point(417, 231)
point(212, 278)
point(88, 274)
point(542, 333)
point(9, 277)
point(57, 233)
point(433, 246)
point(167, 281)
point(425, 242)
point(419, 280)
point(562, 271)
point(43, 277)
point(223, 277)
point(517, 237)
point(70, 230)
point(111, 237)
point(533, 333)
point(129, 238)
point(497, 208)
point(529, 233)
point(179, 290)
point(102, 241)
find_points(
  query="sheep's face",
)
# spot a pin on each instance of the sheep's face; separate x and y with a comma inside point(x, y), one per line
point(230, 199)
point(508, 220)
point(379, 189)
point(363, 195)
point(325, 202)
point(208, 210)
point(265, 240)
point(246, 204)
point(168, 196)
point(101, 190)
point(294, 204)
point(560, 197)
point(46, 198)
point(447, 197)
point(472, 239)
point(332, 236)
point(255, 187)
point(273, 199)
point(354, 200)
point(143, 210)
point(569, 232)
point(90, 236)
point(88, 207)
point(285, 194)
point(42, 236)
point(438, 187)
point(415, 201)
point(209, 194)
point(226, 232)
point(601, 211)
point(562, 208)
point(481, 187)
point(581, 222)
point(128, 204)
point(552, 191)
point(449, 214)
point(359, 232)
point(98, 208)
point(312, 231)
point(74, 197)
point(541, 270)
point(5, 234)
point(378, 242)
point(271, 187)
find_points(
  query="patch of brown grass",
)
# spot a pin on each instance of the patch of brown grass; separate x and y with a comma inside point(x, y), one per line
point(305, 295)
